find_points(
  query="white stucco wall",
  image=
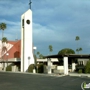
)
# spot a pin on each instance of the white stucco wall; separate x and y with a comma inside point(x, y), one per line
point(84, 61)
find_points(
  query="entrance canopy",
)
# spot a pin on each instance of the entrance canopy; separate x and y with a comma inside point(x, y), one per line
point(69, 56)
point(65, 59)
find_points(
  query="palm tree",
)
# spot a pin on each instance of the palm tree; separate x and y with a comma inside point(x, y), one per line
point(3, 27)
point(38, 53)
point(4, 39)
point(80, 49)
point(4, 49)
point(77, 39)
point(41, 56)
point(50, 48)
point(77, 50)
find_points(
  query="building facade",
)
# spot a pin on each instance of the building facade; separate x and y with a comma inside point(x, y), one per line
point(11, 49)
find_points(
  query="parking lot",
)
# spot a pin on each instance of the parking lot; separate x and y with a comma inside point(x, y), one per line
point(19, 81)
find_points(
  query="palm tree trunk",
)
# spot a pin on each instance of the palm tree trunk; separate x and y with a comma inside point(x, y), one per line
point(77, 48)
point(2, 47)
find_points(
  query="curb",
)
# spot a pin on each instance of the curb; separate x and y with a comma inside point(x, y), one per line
point(53, 75)
point(80, 75)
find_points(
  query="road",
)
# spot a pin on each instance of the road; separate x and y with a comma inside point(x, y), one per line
point(19, 81)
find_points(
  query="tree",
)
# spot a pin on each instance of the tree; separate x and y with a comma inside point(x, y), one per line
point(65, 51)
point(80, 49)
point(87, 67)
point(4, 49)
point(41, 56)
point(3, 27)
point(77, 50)
point(38, 53)
point(4, 39)
point(77, 39)
point(50, 48)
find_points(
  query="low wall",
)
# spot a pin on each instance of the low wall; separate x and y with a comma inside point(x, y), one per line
point(58, 71)
point(55, 69)
point(60, 67)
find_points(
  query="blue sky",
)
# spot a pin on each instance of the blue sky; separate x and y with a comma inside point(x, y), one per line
point(55, 22)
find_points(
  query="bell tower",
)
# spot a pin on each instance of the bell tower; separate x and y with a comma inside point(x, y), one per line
point(26, 40)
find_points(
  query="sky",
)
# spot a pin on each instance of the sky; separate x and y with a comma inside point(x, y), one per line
point(55, 22)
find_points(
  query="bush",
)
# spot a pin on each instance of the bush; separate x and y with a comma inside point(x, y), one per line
point(9, 68)
point(87, 67)
point(40, 68)
point(80, 71)
point(31, 67)
point(80, 67)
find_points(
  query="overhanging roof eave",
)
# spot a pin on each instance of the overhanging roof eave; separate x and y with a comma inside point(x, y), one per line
point(69, 55)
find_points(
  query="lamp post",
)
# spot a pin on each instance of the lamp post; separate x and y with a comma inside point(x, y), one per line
point(35, 59)
point(7, 58)
point(35, 54)
point(34, 49)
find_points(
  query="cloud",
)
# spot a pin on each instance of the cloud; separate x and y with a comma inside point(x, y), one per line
point(10, 7)
point(12, 31)
point(47, 34)
point(10, 22)
point(54, 22)
point(63, 11)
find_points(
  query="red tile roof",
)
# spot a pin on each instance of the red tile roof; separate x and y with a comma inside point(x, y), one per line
point(15, 50)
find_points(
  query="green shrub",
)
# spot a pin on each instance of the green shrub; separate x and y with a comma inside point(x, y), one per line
point(9, 68)
point(31, 67)
point(40, 68)
point(80, 71)
point(80, 67)
point(87, 67)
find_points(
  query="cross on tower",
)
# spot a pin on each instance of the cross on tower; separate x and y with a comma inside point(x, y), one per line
point(30, 4)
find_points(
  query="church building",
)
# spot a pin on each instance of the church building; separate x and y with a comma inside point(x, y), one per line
point(10, 50)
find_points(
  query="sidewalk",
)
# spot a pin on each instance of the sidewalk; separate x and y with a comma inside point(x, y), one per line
point(80, 75)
